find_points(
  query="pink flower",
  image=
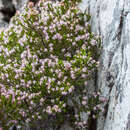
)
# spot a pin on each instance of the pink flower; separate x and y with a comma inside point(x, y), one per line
point(85, 98)
point(64, 93)
point(93, 42)
point(94, 116)
point(76, 116)
point(88, 113)
point(84, 69)
point(30, 4)
point(80, 124)
point(85, 83)
point(73, 76)
point(102, 99)
point(70, 90)
point(83, 75)
point(94, 108)
point(39, 117)
point(76, 123)
point(64, 105)
point(84, 122)
point(84, 102)
point(67, 65)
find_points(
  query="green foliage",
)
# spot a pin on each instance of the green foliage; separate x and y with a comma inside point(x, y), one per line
point(46, 57)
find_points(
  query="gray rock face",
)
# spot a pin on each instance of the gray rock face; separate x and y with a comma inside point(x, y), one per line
point(8, 9)
point(19, 3)
point(111, 19)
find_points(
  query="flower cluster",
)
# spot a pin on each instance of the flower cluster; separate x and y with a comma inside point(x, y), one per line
point(91, 104)
point(47, 54)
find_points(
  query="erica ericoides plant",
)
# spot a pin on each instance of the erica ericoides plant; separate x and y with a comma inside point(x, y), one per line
point(47, 55)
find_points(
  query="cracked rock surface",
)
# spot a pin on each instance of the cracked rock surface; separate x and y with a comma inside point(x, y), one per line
point(111, 19)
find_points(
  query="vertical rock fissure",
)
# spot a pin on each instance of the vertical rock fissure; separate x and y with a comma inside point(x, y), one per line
point(120, 28)
point(92, 123)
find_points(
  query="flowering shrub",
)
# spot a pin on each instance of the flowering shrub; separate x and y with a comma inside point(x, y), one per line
point(46, 57)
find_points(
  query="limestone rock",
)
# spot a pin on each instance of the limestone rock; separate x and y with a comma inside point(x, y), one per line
point(19, 3)
point(111, 19)
point(7, 10)
point(66, 126)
